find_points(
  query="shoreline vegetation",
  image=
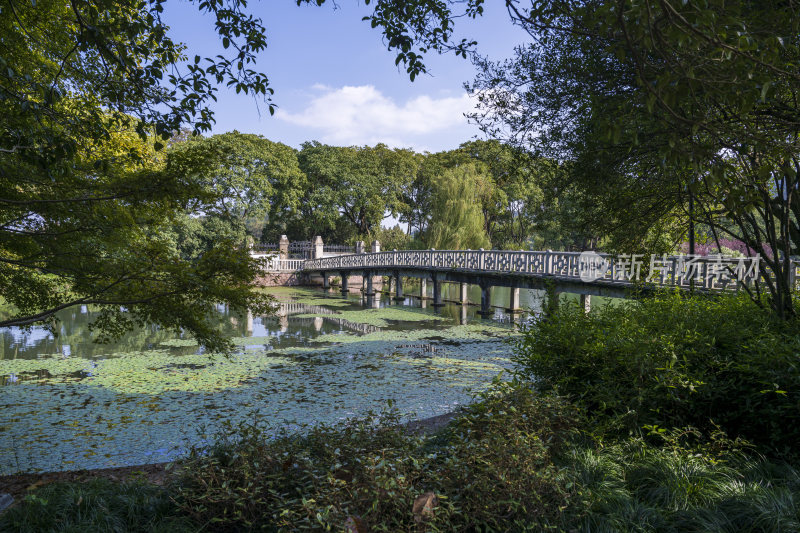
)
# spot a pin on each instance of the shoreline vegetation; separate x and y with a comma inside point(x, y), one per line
point(663, 414)
point(19, 485)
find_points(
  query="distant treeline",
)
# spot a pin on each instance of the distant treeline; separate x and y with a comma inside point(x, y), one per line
point(482, 194)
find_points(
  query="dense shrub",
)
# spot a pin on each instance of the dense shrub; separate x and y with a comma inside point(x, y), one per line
point(674, 361)
point(492, 470)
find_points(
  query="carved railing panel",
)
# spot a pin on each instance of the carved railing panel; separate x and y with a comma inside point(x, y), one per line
point(284, 265)
point(709, 272)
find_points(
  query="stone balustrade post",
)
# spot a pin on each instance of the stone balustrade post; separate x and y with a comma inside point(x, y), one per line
point(317, 248)
point(283, 247)
point(376, 247)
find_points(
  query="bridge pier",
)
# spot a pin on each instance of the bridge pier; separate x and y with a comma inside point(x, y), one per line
point(486, 301)
point(437, 292)
point(398, 286)
point(345, 287)
point(513, 304)
point(551, 300)
point(326, 282)
point(423, 288)
point(373, 301)
point(586, 302)
point(464, 300)
point(370, 289)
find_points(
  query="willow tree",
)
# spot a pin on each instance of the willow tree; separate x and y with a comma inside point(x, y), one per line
point(457, 221)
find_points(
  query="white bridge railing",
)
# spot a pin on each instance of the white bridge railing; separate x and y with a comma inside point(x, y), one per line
point(710, 272)
point(274, 264)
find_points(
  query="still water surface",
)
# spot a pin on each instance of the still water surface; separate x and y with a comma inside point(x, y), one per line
point(68, 403)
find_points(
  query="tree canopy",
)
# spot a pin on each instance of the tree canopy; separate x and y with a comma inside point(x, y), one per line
point(252, 177)
point(90, 92)
point(666, 112)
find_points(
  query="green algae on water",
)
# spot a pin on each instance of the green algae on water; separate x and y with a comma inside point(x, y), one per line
point(136, 407)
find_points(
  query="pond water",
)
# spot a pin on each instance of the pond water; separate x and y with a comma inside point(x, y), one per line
point(68, 403)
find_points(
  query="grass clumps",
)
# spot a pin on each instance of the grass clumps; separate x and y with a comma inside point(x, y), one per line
point(97, 505)
point(637, 485)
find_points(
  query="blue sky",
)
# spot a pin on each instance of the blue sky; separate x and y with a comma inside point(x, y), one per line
point(335, 82)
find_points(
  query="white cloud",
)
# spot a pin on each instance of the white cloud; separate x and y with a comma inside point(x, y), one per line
point(363, 115)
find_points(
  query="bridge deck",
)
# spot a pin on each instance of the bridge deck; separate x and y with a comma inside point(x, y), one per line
point(587, 273)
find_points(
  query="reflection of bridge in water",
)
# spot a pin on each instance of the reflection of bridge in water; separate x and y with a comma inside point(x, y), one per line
point(322, 314)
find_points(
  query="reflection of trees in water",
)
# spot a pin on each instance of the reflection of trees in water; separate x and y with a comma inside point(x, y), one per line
point(75, 337)
point(75, 334)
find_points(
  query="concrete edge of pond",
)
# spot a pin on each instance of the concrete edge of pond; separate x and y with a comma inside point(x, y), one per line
point(426, 426)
